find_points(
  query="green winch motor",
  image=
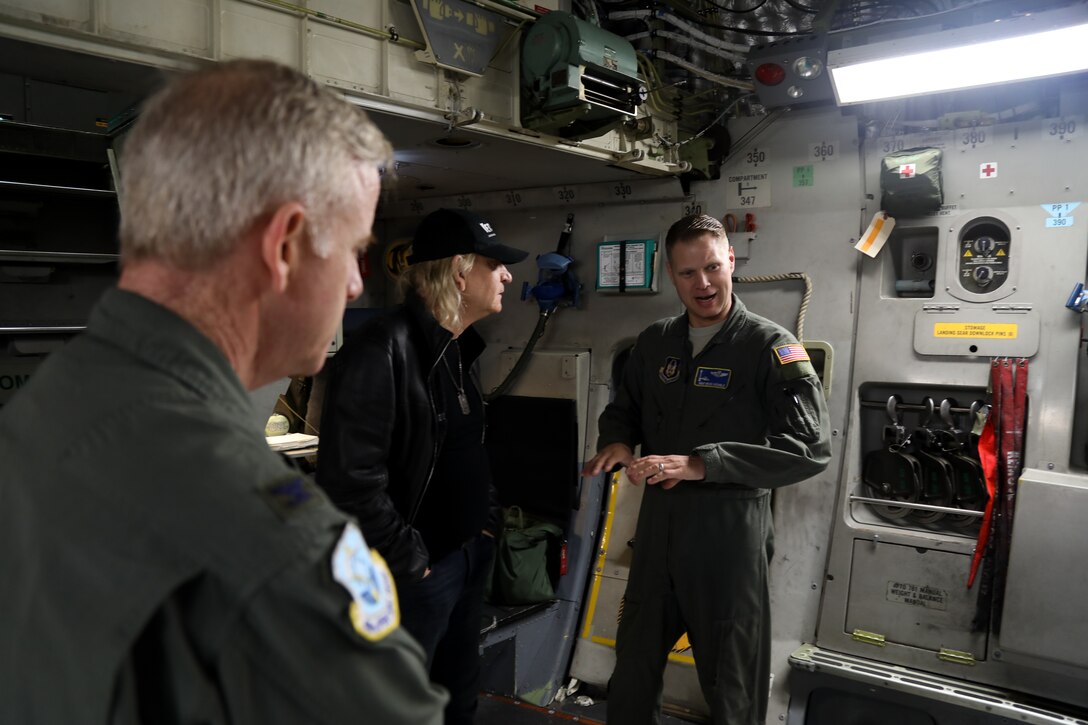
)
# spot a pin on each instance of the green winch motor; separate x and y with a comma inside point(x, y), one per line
point(577, 81)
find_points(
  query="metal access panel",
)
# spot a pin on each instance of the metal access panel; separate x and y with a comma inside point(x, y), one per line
point(928, 276)
point(913, 596)
point(999, 331)
point(1048, 576)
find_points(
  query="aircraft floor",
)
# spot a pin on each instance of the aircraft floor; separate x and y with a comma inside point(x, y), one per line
point(502, 710)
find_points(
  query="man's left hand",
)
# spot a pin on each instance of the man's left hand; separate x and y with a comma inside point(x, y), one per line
point(666, 471)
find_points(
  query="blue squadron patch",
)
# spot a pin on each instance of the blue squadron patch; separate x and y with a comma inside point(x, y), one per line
point(712, 378)
point(670, 371)
point(374, 610)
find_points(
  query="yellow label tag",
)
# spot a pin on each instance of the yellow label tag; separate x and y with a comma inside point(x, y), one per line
point(878, 231)
point(987, 331)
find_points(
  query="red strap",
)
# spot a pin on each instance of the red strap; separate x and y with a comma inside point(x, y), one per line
point(1014, 454)
point(1011, 427)
point(1012, 443)
point(987, 455)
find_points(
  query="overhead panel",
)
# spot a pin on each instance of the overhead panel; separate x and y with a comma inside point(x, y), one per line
point(791, 71)
point(68, 14)
point(345, 58)
point(249, 31)
point(183, 27)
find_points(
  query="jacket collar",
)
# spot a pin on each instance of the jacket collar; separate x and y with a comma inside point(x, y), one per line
point(436, 337)
point(162, 339)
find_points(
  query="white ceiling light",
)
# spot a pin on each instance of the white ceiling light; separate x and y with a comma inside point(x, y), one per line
point(1033, 46)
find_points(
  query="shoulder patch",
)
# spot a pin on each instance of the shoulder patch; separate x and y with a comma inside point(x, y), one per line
point(793, 361)
point(374, 610)
point(289, 494)
point(791, 353)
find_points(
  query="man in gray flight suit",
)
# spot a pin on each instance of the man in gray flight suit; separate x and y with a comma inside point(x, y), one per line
point(726, 405)
point(159, 563)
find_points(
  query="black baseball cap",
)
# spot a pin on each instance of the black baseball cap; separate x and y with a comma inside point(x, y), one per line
point(447, 232)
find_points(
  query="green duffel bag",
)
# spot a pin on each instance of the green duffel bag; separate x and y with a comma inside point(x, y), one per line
point(521, 560)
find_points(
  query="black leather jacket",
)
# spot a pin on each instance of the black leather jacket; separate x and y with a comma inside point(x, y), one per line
point(381, 429)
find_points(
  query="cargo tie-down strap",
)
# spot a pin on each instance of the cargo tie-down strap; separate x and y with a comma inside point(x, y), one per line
point(1000, 449)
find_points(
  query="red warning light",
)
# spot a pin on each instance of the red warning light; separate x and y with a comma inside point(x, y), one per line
point(770, 74)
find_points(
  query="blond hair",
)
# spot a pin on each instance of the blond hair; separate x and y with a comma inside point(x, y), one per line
point(693, 227)
point(219, 148)
point(434, 282)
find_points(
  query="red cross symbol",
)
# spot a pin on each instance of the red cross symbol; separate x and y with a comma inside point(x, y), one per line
point(987, 170)
point(906, 171)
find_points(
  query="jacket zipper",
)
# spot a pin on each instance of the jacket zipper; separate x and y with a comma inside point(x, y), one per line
point(434, 453)
point(483, 407)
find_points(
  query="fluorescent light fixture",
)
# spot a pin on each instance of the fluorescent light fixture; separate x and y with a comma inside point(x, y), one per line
point(1034, 46)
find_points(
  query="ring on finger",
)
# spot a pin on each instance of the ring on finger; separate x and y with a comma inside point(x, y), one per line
point(661, 468)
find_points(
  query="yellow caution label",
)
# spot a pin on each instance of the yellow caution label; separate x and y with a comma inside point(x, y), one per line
point(968, 253)
point(974, 331)
point(1000, 253)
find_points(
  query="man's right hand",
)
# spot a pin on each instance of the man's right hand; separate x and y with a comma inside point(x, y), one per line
point(612, 455)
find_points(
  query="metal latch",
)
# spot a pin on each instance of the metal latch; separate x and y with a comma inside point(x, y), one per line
point(956, 657)
point(860, 635)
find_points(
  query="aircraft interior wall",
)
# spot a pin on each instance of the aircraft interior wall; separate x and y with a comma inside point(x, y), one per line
point(803, 229)
point(873, 621)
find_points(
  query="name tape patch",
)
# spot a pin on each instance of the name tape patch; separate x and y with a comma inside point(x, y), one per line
point(712, 378)
point(374, 611)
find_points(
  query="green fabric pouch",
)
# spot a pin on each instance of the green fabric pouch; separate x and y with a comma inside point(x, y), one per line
point(521, 561)
point(911, 182)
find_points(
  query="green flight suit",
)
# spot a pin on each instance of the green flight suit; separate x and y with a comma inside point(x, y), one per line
point(161, 565)
point(751, 406)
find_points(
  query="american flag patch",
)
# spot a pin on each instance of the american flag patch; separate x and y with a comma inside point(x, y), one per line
point(791, 353)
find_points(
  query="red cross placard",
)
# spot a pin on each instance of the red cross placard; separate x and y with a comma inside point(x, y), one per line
point(987, 170)
point(906, 171)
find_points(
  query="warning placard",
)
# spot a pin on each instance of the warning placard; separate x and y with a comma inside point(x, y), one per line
point(746, 191)
point(977, 331)
point(917, 595)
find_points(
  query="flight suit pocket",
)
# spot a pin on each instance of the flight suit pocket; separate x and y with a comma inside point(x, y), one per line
point(800, 416)
point(737, 676)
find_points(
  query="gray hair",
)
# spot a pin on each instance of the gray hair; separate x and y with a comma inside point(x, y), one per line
point(433, 282)
point(219, 148)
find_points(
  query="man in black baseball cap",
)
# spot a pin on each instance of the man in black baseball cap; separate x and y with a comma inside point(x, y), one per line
point(402, 443)
point(447, 232)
